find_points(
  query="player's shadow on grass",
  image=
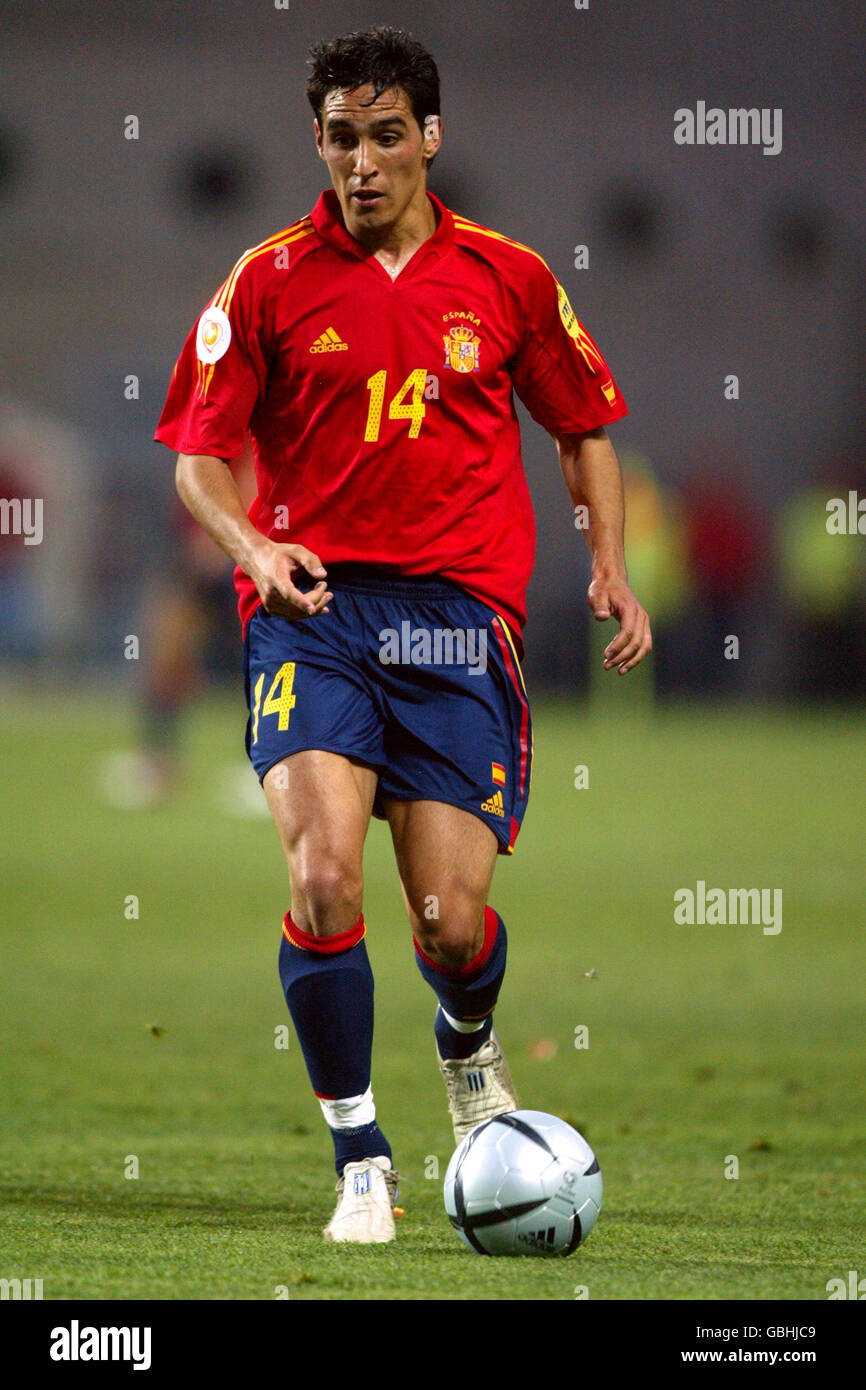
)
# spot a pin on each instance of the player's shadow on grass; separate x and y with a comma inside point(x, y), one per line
point(176, 1208)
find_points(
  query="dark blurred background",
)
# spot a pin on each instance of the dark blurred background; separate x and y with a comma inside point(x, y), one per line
point(703, 263)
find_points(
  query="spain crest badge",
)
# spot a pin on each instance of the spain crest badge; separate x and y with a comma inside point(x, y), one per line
point(461, 348)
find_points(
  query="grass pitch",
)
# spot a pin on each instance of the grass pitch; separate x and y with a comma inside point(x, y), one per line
point(148, 1044)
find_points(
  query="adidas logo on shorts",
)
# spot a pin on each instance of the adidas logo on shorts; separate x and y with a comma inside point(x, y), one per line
point(494, 805)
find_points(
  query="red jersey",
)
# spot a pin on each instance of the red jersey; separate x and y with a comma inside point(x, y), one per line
point(381, 410)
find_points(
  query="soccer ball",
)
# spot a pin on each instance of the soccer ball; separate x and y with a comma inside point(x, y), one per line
point(523, 1183)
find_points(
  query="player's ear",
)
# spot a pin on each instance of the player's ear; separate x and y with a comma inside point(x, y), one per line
point(432, 136)
point(318, 133)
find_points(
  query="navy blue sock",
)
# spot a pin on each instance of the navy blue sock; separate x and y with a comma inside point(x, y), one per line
point(468, 994)
point(328, 986)
point(450, 1042)
point(351, 1145)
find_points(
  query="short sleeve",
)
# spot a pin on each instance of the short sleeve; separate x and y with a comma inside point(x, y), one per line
point(558, 371)
point(219, 376)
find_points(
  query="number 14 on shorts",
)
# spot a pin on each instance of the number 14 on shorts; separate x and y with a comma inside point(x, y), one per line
point(279, 699)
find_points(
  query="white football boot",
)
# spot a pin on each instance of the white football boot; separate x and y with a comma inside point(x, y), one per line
point(364, 1215)
point(478, 1086)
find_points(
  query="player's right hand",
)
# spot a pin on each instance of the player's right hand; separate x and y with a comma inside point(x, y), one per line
point(274, 571)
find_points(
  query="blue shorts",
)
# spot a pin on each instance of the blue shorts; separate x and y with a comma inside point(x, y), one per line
point(409, 675)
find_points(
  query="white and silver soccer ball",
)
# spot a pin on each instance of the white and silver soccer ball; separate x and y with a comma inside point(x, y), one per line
point(523, 1183)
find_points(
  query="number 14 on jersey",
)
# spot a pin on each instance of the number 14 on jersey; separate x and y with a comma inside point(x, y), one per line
point(399, 408)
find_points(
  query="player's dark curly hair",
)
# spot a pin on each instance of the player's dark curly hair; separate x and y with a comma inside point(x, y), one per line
point(384, 57)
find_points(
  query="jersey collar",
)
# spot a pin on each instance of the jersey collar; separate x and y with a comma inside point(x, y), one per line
point(327, 218)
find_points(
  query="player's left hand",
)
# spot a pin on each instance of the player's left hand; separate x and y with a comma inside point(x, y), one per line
point(614, 599)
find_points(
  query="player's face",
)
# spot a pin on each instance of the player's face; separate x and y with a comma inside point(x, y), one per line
point(375, 153)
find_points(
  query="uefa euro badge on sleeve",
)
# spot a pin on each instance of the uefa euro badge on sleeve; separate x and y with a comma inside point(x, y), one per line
point(213, 336)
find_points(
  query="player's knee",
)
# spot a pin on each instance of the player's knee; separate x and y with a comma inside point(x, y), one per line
point(454, 941)
point(327, 894)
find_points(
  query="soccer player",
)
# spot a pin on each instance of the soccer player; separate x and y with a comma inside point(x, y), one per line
point(185, 621)
point(372, 349)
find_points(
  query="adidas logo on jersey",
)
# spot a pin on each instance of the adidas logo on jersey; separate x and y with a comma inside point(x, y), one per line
point(494, 805)
point(329, 341)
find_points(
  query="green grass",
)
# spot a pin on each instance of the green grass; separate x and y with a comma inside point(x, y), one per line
point(704, 1041)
